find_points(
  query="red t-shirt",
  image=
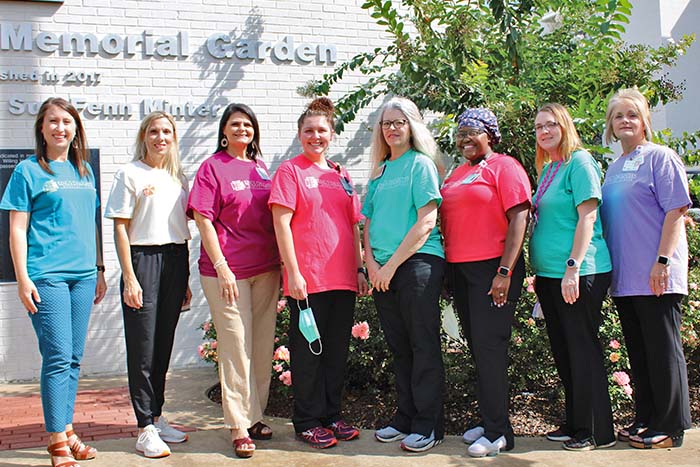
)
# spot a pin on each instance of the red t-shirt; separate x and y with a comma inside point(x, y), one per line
point(322, 223)
point(233, 195)
point(474, 204)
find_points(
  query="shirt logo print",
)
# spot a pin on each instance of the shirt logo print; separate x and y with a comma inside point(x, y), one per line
point(311, 182)
point(50, 187)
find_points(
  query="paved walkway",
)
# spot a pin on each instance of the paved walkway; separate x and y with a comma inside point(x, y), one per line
point(103, 412)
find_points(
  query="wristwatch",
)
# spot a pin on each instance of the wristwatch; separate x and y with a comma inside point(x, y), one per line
point(665, 260)
point(572, 263)
point(100, 267)
point(504, 271)
point(363, 271)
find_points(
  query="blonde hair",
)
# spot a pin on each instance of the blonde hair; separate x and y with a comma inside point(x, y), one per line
point(421, 138)
point(570, 141)
point(641, 105)
point(172, 160)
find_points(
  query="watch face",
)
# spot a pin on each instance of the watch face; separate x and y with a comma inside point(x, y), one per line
point(503, 271)
point(571, 262)
point(662, 259)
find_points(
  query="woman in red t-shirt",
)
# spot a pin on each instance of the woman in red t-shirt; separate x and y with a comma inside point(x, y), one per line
point(316, 211)
point(484, 217)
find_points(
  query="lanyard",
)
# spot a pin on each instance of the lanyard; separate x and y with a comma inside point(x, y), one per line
point(546, 182)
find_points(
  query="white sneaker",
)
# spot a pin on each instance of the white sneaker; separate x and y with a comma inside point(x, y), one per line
point(482, 447)
point(168, 433)
point(150, 444)
point(472, 435)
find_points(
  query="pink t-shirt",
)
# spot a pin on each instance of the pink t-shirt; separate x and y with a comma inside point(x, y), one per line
point(474, 204)
point(322, 224)
point(233, 195)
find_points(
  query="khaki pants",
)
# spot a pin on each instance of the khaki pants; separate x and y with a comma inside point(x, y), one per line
point(245, 340)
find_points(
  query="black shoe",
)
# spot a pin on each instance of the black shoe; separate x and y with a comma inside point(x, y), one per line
point(561, 434)
point(586, 444)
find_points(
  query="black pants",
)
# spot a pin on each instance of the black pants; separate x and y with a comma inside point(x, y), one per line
point(410, 316)
point(317, 380)
point(487, 329)
point(162, 272)
point(578, 354)
point(651, 326)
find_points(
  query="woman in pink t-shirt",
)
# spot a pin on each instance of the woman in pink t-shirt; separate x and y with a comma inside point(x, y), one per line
point(239, 270)
point(316, 211)
point(486, 200)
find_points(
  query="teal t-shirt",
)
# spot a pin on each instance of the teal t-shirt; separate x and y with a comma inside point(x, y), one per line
point(577, 181)
point(393, 198)
point(61, 231)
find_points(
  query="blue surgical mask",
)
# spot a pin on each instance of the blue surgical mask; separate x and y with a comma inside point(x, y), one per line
point(307, 326)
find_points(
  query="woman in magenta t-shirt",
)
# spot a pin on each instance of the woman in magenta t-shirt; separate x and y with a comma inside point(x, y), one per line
point(486, 200)
point(316, 212)
point(239, 270)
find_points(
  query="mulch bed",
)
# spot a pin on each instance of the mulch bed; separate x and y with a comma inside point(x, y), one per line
point(530, 414)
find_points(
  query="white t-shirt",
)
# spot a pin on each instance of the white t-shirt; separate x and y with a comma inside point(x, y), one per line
point(153, 200)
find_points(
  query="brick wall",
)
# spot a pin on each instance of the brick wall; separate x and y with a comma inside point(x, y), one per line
point(268, 86)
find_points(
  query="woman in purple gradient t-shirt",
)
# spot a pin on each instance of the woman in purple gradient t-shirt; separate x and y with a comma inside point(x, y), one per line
point(645, 195)
point(239, 270)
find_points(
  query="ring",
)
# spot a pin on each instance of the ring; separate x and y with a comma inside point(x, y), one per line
point(501, 294)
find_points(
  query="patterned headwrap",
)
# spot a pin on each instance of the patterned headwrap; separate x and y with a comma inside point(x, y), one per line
point(483, 119)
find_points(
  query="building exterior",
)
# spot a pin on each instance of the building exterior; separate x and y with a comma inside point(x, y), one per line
point(119, 60)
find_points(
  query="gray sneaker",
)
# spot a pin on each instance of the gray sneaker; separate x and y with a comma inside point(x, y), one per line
point(419, 443)
point(389, 434)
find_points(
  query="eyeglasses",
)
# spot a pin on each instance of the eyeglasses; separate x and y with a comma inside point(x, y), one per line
point(549, 126)
point(398, 124)
point(463, 134)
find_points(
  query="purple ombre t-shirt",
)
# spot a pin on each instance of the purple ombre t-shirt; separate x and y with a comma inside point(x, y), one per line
point(233, 195)
point(639, 189)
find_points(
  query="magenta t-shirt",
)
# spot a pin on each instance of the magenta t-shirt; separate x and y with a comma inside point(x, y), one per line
point(322, 224)
point(233, 195)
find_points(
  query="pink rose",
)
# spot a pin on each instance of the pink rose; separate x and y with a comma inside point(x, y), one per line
point(277, 339)
point(627, 389)
point(281, 304)
point(281, 353)
point(213, 345)
point(361, 331)
point(200, 350)
point(530, 284)
point(530, 322)
point(693, 286)
point(518, 340)
point(286, 378)
point(614, 357)
point(621, 378)
point(614, 344)
point(278, 368)
point(206, 326)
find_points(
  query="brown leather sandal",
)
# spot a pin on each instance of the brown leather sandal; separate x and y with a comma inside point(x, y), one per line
point(260, 431)
point(240, 450)
point(61, 449)
point(80, 450)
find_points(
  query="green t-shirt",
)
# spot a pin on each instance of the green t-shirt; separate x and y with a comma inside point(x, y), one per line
point(577, 181)
point(393, 198)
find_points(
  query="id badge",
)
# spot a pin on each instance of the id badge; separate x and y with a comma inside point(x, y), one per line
point(470, 178)
point(263, 174)
point(347, 186)
point(633, 165)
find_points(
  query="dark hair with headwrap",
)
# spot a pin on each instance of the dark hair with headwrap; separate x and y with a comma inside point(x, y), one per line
point(483, 119)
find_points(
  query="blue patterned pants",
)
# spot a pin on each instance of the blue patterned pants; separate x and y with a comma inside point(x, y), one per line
point(61, 325)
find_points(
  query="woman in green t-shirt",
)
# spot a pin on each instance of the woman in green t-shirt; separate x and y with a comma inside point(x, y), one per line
point(572, 267)
point(405, 261)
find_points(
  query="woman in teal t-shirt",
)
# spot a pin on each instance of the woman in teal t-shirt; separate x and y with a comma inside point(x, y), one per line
point(405, 261)
point(56, 254)
point(572, 267)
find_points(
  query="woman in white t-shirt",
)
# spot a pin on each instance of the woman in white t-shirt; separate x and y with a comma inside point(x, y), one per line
point(147, 202)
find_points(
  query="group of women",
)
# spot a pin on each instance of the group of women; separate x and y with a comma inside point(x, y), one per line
point(627, 236)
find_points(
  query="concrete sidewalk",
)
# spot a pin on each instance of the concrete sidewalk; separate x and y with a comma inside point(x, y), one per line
point(210, 445)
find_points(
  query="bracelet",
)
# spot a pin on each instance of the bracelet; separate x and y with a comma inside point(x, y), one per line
point(100, 268)
point(220, 262)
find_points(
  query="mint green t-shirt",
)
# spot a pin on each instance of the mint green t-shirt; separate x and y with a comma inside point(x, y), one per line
point(577, 181)
point(405, 185)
